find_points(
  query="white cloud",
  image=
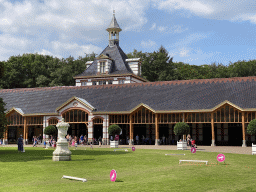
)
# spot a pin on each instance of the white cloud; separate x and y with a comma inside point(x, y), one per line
point(184, 52)
point(77, 24)
point(197, 7)
point(221, 10)
point(161, 28)
point(153, 26)
point(148, 44)
point(246, 17)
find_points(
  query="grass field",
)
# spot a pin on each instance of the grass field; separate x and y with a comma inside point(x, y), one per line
point(141, 170)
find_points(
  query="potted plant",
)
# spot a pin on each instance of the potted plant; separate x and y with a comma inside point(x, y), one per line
point(251, 129)
point(49, 130)
point(114, 130)
point(181, 128)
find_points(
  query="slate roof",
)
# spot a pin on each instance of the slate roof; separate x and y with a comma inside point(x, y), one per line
point(113, 24)
point(166, 95)
point(119, 66)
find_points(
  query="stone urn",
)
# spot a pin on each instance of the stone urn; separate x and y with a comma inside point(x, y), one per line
point(62, 153)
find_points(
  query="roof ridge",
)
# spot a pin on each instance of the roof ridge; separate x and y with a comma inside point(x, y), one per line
point(177, 82)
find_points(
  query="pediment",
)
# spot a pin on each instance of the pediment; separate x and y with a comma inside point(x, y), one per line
point(75, 102)
point(102, 56)
point(18, 110)
point(142, 105)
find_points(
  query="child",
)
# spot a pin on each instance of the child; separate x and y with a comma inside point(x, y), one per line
point(76, 140)
point(54, 143)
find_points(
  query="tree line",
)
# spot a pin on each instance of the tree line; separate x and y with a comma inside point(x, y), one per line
point(35, 70)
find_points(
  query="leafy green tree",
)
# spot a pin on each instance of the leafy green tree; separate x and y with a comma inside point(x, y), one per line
point(114, 130)
point(181, 128)
point(158, 66)
point(251, 128)
point(50, 130)
point(3, 119)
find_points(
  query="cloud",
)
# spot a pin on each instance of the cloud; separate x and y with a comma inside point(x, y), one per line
point(148, 44)
point(153, 26)
point(197, 7)
point(231, 10)
point(166, 29)
point(246, 17)
point(78, 24)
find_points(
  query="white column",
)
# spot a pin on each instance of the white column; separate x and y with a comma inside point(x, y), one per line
point(90, 128)
point(105, 130)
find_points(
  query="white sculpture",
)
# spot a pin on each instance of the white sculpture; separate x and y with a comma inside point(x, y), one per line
point(62, 153)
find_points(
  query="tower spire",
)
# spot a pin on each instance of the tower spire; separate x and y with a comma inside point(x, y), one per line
point(113, 30)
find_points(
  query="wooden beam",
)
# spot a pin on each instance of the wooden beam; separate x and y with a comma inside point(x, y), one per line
point(243, 126)
point(156, 129)
point(212, 126)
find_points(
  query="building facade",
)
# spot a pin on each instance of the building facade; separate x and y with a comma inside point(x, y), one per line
point(111, 91)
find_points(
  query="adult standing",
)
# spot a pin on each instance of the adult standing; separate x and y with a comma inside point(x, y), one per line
point(137, 139)
point(82, 139)
point(20, 144)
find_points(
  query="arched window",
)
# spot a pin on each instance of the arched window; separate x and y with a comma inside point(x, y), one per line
point(75, 116)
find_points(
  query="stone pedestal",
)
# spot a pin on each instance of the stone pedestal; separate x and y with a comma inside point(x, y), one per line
point(62, 153)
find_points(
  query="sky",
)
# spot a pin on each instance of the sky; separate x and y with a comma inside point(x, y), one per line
point(197, 32)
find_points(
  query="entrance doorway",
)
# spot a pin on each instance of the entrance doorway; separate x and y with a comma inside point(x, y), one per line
point(140, 130)
point(12, 134)
point(97, 132)
point(207, 134)
point(77, 129)
point(235, 134)
point(164, 134)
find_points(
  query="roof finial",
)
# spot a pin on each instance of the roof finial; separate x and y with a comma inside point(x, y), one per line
point(113, 12)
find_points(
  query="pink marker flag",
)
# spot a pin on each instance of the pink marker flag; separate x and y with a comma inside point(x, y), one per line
point(112, 175)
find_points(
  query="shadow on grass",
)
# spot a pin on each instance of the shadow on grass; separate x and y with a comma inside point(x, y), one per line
point(118, 180)
point(35, 154)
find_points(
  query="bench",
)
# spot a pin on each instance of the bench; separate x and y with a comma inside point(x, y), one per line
point(121, 149)
point(253, 149)
point(200, 161)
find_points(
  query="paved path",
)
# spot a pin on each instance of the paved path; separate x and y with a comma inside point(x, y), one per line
point(221, 149)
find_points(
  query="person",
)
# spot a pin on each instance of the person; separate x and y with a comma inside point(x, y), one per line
point(54, 143)
point(189, 140)
point(111, 138)
point(82, 139)
point(163, 138)
point(193, 143)
point(143, 139)
point(34, 141)
point(20, 144)
point(73, 142)
point(137, 139)
point(100, 141)
point(39, 139)
point(76, 141)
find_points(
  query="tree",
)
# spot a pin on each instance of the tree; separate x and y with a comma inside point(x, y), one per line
point(251, 128)
point(158, 66)
point(3, 119)
point(50, 130)
point(114, 130)
point(181, 128)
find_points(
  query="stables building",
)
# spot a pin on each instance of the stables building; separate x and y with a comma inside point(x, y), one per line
point(111, 91)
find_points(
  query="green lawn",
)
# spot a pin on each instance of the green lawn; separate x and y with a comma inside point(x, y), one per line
point(142, 170)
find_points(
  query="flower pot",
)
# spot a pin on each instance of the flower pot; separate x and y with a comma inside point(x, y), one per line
point(253, 149)
point(181, 145)
point(113, 144)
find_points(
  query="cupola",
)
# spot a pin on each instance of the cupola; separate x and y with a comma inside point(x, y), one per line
point(113, 30)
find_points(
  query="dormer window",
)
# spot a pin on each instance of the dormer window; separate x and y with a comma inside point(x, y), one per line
point(102, 67)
